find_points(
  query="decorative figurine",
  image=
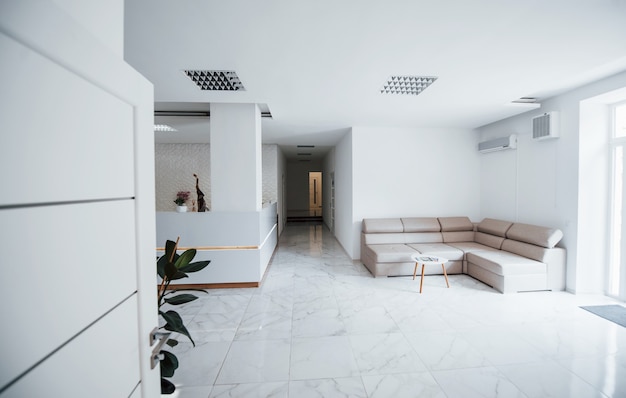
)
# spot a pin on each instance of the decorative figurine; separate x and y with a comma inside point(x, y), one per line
point(201, 202)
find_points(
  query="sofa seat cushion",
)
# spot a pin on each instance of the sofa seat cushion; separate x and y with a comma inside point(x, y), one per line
point(439, 250)
point(392, 253)
point(504, 263)
point(469, 247)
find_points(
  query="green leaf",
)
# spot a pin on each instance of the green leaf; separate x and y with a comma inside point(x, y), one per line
point(169, 249)
point(174, 323)
point(161, 266)
point(167, 387)
point(181, 299)
point(185, 258)
point(172, 273)
point(172, 342)
point(169, 364)
point(194, 267)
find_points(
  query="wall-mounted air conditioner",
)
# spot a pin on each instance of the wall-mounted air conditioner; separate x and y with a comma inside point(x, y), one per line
point(498, 144)
point(546, 126)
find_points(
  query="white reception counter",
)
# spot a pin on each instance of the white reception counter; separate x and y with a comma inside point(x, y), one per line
point(239, 244)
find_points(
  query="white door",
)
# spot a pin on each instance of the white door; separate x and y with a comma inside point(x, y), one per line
point(315, 193)
point(76, 211)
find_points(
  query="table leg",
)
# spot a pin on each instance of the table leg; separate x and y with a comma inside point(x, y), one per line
point(415, 271)
point(422, 280)
point(445, 274)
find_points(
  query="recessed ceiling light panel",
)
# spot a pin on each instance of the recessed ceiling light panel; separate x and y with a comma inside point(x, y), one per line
point(163, 127)
point(215, 80)
point(411, 85)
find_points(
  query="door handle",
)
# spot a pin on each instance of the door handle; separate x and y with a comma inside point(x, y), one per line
point(160, 338)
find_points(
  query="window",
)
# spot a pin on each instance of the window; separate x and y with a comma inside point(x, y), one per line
point(617, 265)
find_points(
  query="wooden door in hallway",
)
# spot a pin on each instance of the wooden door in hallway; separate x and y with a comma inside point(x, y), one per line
point(315, 193)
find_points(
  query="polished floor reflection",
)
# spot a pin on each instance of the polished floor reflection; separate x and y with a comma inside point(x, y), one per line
point(322, 326)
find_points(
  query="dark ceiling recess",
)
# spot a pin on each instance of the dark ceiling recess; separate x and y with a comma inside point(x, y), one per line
point(195, 113)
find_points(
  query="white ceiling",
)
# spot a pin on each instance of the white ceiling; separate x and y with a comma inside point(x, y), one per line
point(319, 65)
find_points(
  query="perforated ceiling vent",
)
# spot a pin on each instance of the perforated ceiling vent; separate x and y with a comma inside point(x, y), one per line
point(216, 80)
point(411, 85)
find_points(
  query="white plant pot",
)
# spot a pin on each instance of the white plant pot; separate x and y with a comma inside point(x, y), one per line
point(181, 209)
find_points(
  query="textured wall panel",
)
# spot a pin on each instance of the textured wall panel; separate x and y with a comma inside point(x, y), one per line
point(270, 173)
point(175, 165)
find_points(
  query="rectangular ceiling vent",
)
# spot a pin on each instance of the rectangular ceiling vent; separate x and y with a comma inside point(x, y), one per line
point(215, 80)
point(411, 85)
point(498, 144)
point(546, 126)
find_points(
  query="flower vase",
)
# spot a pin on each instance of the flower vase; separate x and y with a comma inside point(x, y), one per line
point(181, 209)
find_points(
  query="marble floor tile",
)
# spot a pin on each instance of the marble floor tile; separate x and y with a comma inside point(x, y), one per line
point(328, 388)
point(255, 361)
point(251, 390)
point(605, 373)
point(322, 358)
point(318, 323)
point(482, 382)
point(385, 353)
point(548, 379)
point(446, 350)
point(199, 365)
point(321, 326)
point(265, 326)
point(402, 385)
point(503, 345)
point(368, 320)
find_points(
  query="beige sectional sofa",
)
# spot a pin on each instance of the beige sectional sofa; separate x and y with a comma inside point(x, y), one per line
point(511, 257)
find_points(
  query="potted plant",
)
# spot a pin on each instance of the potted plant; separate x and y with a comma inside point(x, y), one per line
point(181, 199)
point(172, 266)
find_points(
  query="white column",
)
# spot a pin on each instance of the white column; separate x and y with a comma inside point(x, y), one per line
point(236, 167)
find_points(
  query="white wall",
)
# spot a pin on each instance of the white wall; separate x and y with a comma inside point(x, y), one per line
point(280, 192)
point(235, 130)
point(344, 231)
point(557, 183)
point(399, 172)
point(328, 171)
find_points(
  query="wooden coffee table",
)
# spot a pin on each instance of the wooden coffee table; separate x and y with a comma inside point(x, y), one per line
point(427, 259)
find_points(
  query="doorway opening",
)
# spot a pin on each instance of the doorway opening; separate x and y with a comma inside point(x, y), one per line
point(315, 194)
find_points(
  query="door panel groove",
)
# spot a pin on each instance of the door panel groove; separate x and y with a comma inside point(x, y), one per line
point(57, 349)
point(63, 203)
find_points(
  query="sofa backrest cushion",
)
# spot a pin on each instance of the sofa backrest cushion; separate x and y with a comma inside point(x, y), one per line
point(383, 239)
point(494, 227)
point(423, 237)
point(453, 224)
point(526, 249)
point(382, 225)
point(534, 234)
point(421, 224)
point(488, 239)
point(458, 236)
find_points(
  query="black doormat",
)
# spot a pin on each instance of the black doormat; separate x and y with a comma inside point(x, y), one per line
point(613, 313)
